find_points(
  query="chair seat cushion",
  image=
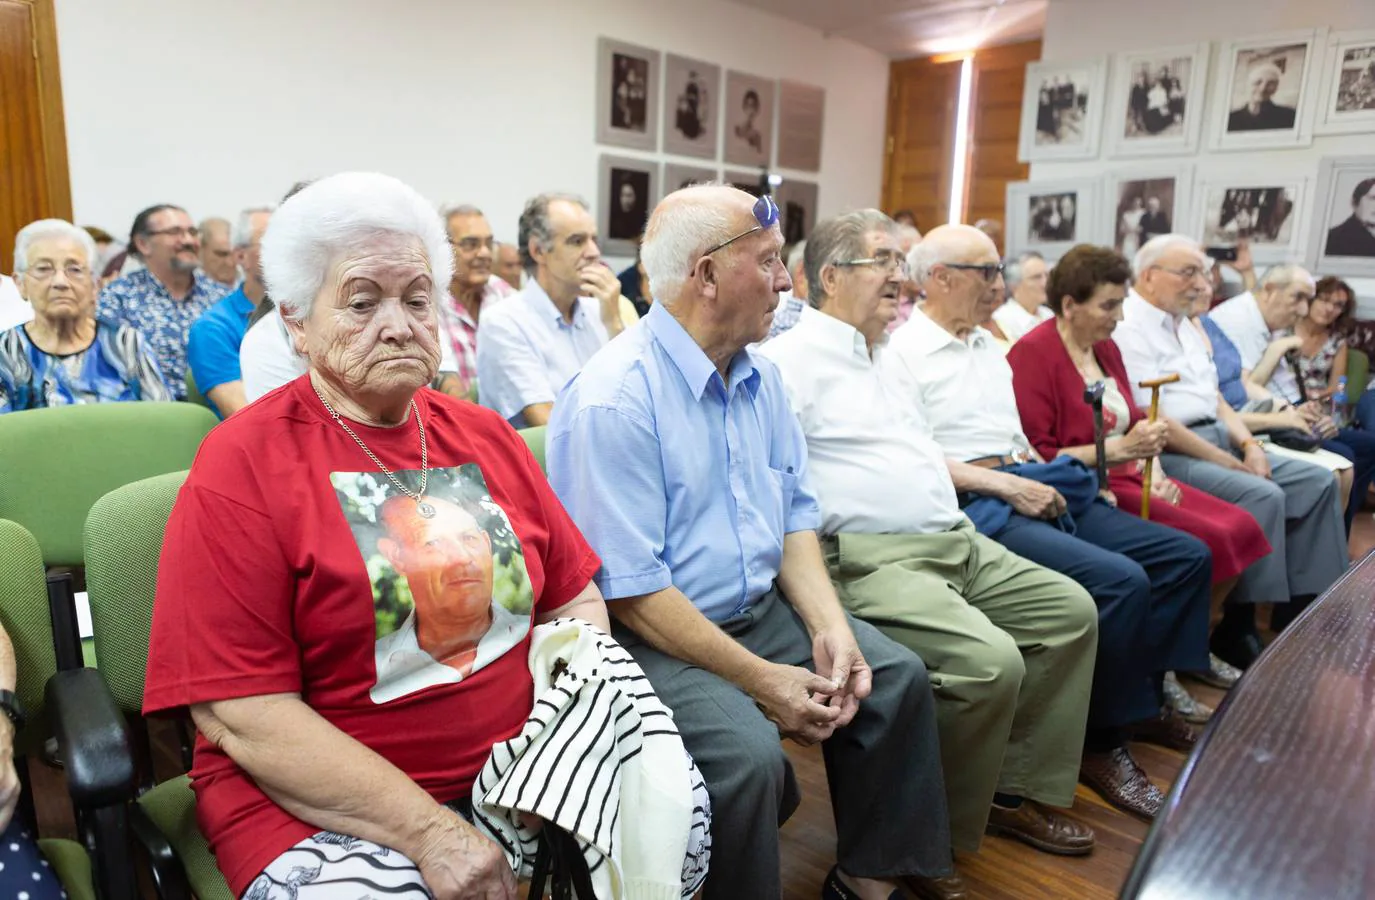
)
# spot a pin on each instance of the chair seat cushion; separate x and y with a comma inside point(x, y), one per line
point(172, 807)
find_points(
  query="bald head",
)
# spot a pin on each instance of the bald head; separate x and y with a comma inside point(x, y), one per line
point(949, 244)
point(683, 225)
point(946, 266)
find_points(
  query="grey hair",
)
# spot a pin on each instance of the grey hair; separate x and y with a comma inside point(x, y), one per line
point(1012, 272)
point(1284, 274)
point(1151, 251)
point(326, 219)
point(841, 238)
point(675, 237)
point(534, 223)
point(795, 256)
point(47, 229)
point(449, 210)
point(909, 233)
point(243, 229)
point(214, 223)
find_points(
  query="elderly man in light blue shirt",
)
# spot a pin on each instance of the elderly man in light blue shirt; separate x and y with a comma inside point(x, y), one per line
point(677, 455)
point(530, 345)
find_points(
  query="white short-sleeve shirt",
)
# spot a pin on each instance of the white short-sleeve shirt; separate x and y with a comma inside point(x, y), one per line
point(1242, 321)
point(1155, 344)
point(1015, 321)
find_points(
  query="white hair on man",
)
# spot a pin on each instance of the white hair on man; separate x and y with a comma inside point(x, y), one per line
point(940, 242)
point(1282, 275)
point(1015, 267)
point(1151, 252)
point(683, 225)
point(51, 229)
point(327, 218)
point(795, 258)
point(242, 235)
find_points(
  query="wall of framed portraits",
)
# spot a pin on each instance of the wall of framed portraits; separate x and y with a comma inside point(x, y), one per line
point(486, 103)
point(1224, 119)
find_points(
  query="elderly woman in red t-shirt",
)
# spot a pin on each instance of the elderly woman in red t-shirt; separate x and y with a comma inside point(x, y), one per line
point(351, 575)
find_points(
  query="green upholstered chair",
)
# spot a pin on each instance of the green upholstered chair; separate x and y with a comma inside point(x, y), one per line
point(1357, 374)
point(124, 534)
point(534, 439)
point(24, 615)
point(193, 393)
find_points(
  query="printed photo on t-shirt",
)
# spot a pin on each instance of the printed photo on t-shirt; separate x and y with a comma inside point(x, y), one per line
point(450, 590)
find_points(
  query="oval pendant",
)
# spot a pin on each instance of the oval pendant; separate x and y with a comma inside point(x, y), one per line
point(426, 510)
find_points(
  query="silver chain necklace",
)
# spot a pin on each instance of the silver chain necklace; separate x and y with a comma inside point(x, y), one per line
point(425, 509)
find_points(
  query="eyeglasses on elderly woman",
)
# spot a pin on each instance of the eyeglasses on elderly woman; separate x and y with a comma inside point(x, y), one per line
point(765, 213)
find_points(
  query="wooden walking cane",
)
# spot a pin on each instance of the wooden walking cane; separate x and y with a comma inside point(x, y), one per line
point(1155, 387)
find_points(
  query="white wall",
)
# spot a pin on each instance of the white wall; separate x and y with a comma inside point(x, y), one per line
point(217, 106)
point(1082, 29)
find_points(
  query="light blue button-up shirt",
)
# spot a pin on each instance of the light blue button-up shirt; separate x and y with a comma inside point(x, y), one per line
point(526, 351)
point(677, 477)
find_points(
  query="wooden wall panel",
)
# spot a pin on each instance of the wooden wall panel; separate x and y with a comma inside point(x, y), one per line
point(922, 95)
point(33, 145)
point(995, 122)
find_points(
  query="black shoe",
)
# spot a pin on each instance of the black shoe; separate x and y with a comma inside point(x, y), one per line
point(835, 889)
point(1237, 648)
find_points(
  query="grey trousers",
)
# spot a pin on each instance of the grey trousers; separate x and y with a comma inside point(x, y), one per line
point(1299, 508)
point(884, 768)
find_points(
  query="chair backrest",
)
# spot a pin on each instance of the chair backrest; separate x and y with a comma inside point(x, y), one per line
point(123, 542)
point(193, 393)
point(1357, 373)
point(534, 439)
point(24, 615)
point(58, 461)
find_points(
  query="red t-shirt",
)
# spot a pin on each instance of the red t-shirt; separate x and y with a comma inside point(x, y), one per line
point(263, 588)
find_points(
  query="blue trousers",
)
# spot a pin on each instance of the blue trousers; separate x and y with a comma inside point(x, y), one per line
point(1151, 584)
point(1357, 445)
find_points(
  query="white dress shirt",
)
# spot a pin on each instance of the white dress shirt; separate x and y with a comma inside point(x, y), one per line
point(1155, 344)
point(1015, 321)
point(871, 459)
point(964, 388)
point(403, 668)
point(1242, 321)
point(527, 352)
point(268, 358)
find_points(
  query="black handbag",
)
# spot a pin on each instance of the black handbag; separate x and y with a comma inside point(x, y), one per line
point(560, 862)
point(1294, 439)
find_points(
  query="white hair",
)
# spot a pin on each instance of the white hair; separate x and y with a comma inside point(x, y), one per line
point(242, 235)
point(795, 256)
point(1265, 68)
point(331, 216)
point(49, 229)
point(677, 235)
point(1285, 274)
point(937, 243)
point(1151, 251)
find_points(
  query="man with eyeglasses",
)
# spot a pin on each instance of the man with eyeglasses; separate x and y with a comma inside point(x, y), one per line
point(1297, 504)
point(676, 453)
point(163, 299)
point(473, 288)
point(530, 345)
point(1011, 642)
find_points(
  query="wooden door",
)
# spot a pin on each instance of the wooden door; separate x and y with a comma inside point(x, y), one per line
point(922, 98)
point(33, 142)
point(995, 120)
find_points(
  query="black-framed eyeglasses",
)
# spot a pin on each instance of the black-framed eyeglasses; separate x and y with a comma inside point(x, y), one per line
point(989, 271)
point(765, 213)
point(192, 232)
point(886, 260)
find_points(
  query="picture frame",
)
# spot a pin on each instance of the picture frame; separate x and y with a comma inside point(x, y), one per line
point(801, 123)
point(1156, 101)
point(692, 107)
point(1143, 201)
point(626, 194)
point(796, 201)
point(1348, 85)
point(1345, 193)
point(679, 175)
point(627, 95)
point(1265, 90)
point(1269, 208)
point(1036, 213)
point(1062, 110)
point(747, 131)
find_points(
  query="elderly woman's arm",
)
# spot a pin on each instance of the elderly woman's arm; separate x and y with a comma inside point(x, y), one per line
point(588, 606)
point(280, 742)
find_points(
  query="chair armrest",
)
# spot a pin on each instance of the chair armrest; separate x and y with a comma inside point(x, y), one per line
point(92, 737)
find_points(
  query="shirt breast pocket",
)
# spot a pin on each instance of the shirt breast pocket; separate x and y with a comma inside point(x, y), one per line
point(783, 485)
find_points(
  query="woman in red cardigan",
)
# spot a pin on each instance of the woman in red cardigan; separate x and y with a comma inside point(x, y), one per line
point(1051, 366)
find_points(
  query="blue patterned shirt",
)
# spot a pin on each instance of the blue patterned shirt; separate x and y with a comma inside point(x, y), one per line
point(116, 366)
point(676, 476)
point(140, 300)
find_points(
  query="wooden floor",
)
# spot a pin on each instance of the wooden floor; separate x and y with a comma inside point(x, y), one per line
point(1001, 870)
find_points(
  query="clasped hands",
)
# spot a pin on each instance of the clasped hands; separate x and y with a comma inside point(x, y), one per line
point(809, 706)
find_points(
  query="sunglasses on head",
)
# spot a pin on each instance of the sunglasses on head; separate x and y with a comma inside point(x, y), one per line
point(765, 213)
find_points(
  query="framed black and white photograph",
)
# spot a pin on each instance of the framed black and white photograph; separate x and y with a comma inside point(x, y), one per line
point(692, 106)
point(749, 119)
point(1343, 230)
point(749, 182)
point(797, 208)
point(1145, 202)
point(627, 95)
point(1155, 106)
point(801, 115)
point(1348, 92)
point(1265, 91)
point(1050, 217)
point(1062, 110)
point(1267, 210)
point(678, 176)
point(626, 195)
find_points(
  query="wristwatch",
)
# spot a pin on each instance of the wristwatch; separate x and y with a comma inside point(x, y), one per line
point(13, 709)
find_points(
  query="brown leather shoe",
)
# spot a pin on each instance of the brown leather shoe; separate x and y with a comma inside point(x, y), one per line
point(947, 887)
point(1168, 730)
point(1119, 780)
point(1042, 828)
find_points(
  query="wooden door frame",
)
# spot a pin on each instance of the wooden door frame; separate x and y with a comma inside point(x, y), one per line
point(58, 187)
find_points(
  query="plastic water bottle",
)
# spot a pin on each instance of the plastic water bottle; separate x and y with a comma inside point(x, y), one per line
point(1339, 400)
